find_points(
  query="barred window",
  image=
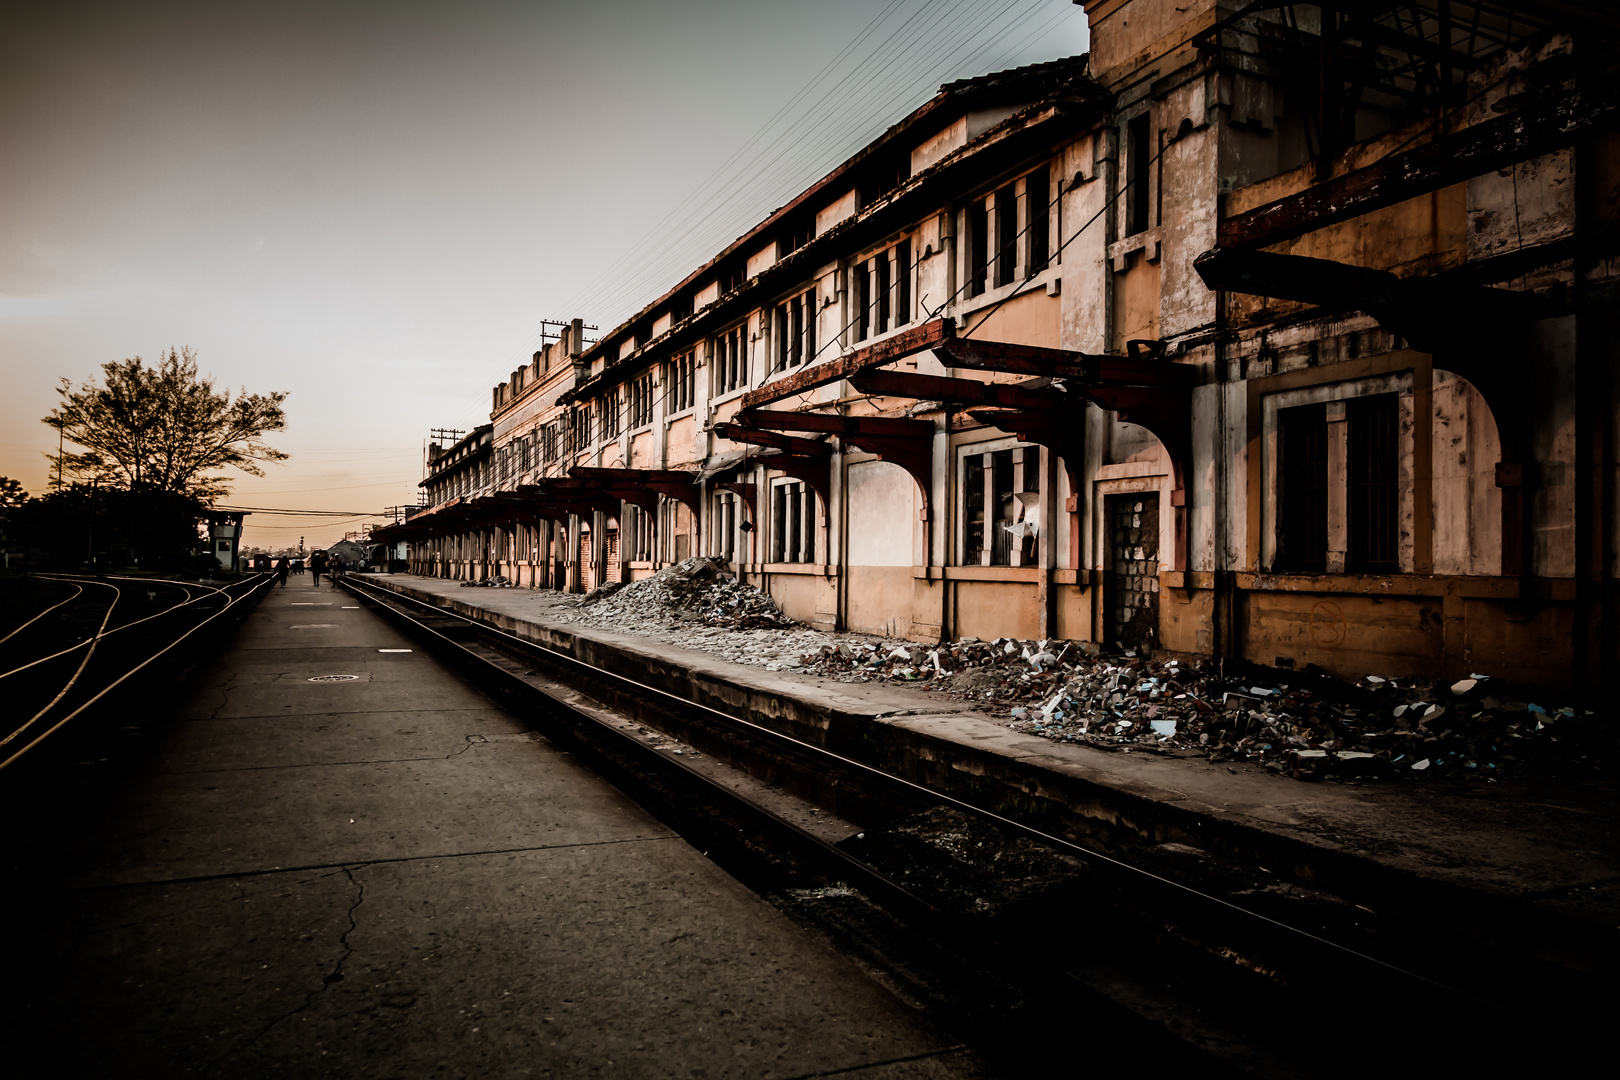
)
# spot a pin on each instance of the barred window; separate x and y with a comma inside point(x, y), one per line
point(607, 415)
point(730, 353)
point(641, 401)
point(881, 286)
point(999, 489)
point(580, 431)
point(680, 376)
point(795, 330)
point(793, 533)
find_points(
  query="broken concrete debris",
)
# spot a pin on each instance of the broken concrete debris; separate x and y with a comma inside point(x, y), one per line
point(696, 590)
point(499, 581)
point(1310, 727)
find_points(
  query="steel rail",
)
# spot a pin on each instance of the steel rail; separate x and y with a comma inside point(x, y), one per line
point(119, 629)
point(231, 601)
point(84, 663)
point(1323, 949)
point(78, 590)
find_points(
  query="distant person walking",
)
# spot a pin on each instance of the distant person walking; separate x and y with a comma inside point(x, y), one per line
point(283, 568)
point(334, 570)
point(317, 566)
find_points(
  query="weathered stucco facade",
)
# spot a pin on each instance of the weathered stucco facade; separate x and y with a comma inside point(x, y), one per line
point(1281, 334)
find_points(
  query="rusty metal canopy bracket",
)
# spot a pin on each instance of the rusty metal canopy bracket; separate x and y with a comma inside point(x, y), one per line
point(903, 441)
point(909, 384)
point(802, 459)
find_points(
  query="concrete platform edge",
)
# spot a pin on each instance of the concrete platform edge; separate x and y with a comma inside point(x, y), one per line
point(980, 762)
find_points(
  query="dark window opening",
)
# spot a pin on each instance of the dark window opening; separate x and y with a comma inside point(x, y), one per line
point(793, 538)
point(731, 360)
point(1004, 506)
point(902, 292)
point(883, 282)
point(1372, 486)
point(1302, 495)
point(973, 511)
point(1038, 198)
point(863, 301)
point(1136, 175)
point(1006, 235)
point(978, 230)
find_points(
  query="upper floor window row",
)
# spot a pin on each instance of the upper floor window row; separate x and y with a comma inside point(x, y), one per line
point(794, 329)
point(1009, 233)
point(641, 400)
point(729, 359)
point(881, 290)
point(680, 380)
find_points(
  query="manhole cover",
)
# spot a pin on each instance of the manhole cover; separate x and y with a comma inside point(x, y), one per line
point(334, 678)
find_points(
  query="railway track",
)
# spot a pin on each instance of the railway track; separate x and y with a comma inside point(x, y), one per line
point(1010, 932)
point(93, 648)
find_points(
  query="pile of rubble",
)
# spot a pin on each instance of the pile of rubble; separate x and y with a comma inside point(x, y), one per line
point(1309, 726)
point(499, 581)
point(695, 590)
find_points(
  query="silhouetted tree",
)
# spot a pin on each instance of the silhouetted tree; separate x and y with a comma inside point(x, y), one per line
point(163, 428)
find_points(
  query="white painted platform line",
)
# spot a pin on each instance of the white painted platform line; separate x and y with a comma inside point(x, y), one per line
point(351, 607)
point(314, 626)
point(393, 650)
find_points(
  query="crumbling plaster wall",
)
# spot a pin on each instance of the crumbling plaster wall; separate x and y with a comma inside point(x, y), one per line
point(1467, 504)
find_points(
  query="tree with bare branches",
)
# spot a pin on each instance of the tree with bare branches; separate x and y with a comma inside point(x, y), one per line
point(163, 428)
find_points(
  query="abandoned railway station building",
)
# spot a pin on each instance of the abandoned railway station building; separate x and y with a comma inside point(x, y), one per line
point(1282, 332)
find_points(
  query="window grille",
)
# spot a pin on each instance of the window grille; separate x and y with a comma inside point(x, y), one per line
point(973, 511)
point(1038, 200)
point(731, 360)
point(902, 283)
point(884, 278)
point(992, 484)
point(793, 534)
point(1372, 484)
point(977, 221)
point(641, 401)
point(1302, 489)
point(680, 376)
point(1006, 235)
point(796, 330)
point(725, 517)
point(607, 415)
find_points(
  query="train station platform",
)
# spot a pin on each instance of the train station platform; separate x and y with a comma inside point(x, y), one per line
point(344, 861)
point(1532, 864)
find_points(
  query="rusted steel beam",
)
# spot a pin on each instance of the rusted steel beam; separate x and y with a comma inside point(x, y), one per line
point(1485, 147)
point(1017, 420)
point(905, 343)
point(788, 444)
point(832, 424)
point(957, 391)
point(1087, 368)
point(638, 476)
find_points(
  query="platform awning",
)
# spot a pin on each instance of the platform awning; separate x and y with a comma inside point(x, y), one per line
point(1143, 389)
point(906, 442)
point(809, 460)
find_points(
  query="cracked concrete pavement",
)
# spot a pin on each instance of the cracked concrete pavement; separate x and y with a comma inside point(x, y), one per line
point(390, 876)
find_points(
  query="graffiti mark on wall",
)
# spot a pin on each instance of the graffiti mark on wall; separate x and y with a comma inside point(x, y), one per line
point(1327, 624)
